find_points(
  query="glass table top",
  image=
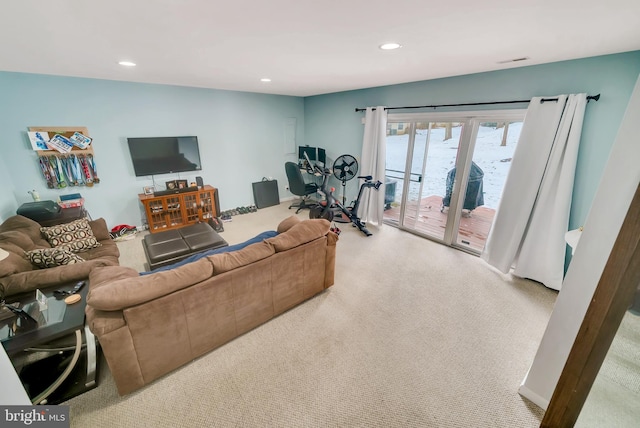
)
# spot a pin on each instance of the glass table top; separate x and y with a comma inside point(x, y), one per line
point(42, 316)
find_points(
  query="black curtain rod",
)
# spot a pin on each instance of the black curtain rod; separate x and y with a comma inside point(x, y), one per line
point(589, 98)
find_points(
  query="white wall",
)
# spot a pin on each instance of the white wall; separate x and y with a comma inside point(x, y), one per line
point(613, 197)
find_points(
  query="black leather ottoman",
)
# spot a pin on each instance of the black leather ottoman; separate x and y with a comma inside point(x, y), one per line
point(171, 246)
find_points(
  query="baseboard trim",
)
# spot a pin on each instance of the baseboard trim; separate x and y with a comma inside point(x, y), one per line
point(532, 396)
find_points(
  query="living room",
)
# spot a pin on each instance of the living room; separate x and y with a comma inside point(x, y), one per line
point(241, 133)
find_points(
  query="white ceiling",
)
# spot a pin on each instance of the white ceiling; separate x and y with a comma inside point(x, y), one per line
point(307, 47)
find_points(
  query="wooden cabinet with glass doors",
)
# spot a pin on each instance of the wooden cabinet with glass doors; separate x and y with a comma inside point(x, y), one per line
point(177, 210)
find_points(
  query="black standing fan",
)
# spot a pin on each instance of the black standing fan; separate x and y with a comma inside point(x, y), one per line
point(344, 169)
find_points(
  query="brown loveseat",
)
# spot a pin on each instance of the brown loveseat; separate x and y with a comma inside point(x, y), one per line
point(17, 274)
point(150, 325)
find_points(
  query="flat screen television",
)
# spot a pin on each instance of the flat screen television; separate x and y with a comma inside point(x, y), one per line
point(163, 155)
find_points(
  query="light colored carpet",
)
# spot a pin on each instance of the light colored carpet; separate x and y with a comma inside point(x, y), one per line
point(614, 399)
point(412, 334)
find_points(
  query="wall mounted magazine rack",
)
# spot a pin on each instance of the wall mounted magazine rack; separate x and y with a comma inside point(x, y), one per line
point(65, 155)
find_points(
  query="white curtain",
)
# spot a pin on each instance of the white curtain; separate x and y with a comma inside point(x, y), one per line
point(533, 216)
point(373, 163)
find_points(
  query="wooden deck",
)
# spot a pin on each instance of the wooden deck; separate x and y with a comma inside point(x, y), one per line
point(473, 231)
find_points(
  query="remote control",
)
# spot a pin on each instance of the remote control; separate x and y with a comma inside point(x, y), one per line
point(77, 287)
point(59, 294)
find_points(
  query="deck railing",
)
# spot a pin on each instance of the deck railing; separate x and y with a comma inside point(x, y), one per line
point(417, 179)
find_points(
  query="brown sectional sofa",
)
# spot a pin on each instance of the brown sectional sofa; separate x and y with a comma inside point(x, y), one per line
point(150, 325)
point(17, 275)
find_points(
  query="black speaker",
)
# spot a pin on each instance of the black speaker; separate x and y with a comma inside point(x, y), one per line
point(265, 193)
point(199, 182)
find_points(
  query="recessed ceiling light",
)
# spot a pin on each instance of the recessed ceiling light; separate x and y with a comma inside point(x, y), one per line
point(265, 79)
point(390, 46)
point(127, 63)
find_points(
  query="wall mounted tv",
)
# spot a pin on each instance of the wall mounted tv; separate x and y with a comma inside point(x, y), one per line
point(163, 155)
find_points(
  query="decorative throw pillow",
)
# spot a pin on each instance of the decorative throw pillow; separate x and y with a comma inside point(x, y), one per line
point(52, 257)
point(75, 236)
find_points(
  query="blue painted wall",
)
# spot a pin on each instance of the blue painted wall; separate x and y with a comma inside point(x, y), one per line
point(332, 123)
point(241, 137)
point(8, 201)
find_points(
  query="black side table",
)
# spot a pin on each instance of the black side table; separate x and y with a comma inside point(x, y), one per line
point(59, 330)
point(66, 215)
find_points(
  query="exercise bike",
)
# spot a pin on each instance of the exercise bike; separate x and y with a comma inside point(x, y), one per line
point(327, 208)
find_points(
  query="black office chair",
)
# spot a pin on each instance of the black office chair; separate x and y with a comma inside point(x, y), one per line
point(298, 187)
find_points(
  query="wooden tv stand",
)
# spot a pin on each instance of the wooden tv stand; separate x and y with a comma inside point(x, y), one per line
point(177, 210)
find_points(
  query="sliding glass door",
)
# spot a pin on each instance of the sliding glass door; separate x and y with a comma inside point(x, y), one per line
point(493, 147)
point(445, 173)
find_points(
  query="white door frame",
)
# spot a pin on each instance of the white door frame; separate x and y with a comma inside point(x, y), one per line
point(464, 157)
